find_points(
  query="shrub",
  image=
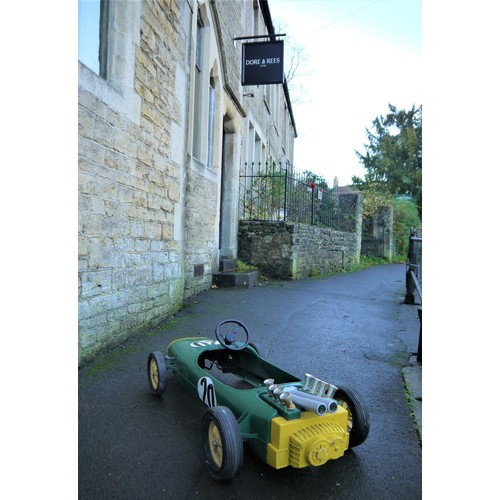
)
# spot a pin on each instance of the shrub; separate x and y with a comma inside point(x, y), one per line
point(405, 217)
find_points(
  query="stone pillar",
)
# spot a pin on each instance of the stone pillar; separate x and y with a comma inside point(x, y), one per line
point(385, 222)
point(358, 225)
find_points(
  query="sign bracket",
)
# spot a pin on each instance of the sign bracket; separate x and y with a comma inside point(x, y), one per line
point(257, 36)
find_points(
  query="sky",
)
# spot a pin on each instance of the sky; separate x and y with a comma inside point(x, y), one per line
point(361, 56)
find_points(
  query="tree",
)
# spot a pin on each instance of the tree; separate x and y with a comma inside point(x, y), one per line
point(296, 65)
point(393, 156)
point(405, 217)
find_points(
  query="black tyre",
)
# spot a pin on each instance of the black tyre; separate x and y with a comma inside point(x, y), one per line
point(157, 373)
point(222, 443)
point(358, 420)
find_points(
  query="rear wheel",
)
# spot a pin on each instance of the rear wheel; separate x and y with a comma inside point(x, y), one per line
point(358, 419)
point(222, 443)
point(157, 373)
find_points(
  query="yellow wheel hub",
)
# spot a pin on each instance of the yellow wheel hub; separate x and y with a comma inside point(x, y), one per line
point(215, 441)
point(154, 374)
point(349, 414)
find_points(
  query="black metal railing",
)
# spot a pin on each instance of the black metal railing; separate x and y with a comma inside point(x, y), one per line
point(414, 267)
point(276, 192)
point(414, 279)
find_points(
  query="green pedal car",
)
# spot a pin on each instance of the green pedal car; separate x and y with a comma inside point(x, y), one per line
point(286, 421)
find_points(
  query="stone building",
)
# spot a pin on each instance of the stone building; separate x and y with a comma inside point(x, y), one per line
point(164, 128)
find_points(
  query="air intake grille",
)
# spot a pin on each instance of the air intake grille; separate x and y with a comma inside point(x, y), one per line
point(299, 440)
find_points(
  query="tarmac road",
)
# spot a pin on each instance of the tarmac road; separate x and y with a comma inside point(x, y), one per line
point(349, 329)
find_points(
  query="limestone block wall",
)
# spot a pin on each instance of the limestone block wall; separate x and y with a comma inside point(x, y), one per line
point(200, 224)
point(151, 226)
point(292, 251)
point(130, 185)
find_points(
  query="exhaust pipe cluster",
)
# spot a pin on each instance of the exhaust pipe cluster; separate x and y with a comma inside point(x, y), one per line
point(316, 386)
point(293, 397)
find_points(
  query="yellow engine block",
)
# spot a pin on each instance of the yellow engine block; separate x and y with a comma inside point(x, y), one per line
point(309, 440)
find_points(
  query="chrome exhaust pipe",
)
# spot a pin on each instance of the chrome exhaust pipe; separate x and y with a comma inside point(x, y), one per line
point(286, 399)
point(330, 391)
point(330, 404)
point(319, 408)
point(308, 381)
point(293, 396)
point(268, 382)
point(320, 388)
point(270, 389)
point(314, 385)
point(278, 392)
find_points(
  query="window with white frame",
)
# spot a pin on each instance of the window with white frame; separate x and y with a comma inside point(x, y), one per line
point(93, 18)
point(250, 142)
point(257, 147)
point(198, 87)
point(108, 35)
point(211, 119)
point(205, 118)
point(284, 128)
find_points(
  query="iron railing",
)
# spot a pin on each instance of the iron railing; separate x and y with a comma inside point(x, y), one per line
point(414, 279)
point(414, 267)
point(276, 192)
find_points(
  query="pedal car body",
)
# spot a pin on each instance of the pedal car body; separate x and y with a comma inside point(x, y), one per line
point(286, 421)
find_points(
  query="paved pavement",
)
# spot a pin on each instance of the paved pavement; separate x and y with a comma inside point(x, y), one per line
point(350, 329)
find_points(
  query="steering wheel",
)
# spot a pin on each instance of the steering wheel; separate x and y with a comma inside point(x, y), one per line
point(228, 336)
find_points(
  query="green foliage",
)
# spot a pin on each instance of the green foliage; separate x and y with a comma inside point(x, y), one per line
point(275, 193)
point(319, 180)
point(405, 217)
point(374, 199)
point(393, 154)
point(264, 198)
point(367, 261)
point(313, 273)
point(243, 266)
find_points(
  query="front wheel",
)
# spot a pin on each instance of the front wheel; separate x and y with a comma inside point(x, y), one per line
point(157, 373)
point(358, 419)
point(222, 443)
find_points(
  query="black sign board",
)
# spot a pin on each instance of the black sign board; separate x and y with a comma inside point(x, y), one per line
point(262, 63)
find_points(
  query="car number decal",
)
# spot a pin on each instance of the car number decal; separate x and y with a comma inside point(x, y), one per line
point(206, 391)
point(204, 343)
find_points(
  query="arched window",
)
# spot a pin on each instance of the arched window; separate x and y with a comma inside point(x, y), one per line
point(206, 118)
point(211, 119)
point(198, 87)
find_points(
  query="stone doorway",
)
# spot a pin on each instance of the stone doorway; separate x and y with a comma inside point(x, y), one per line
point(229, 186)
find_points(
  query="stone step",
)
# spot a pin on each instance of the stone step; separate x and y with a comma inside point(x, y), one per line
point(226, 265)
point(236, 279)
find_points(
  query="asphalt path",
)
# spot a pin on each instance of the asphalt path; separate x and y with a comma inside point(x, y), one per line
point(349, 329)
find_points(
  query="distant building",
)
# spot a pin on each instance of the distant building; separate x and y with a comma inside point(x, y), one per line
point(164, 128)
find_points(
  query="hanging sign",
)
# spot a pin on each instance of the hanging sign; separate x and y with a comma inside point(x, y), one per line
point(262, 63)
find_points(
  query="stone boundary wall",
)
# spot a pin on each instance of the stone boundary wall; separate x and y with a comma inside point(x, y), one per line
point(293, 251)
